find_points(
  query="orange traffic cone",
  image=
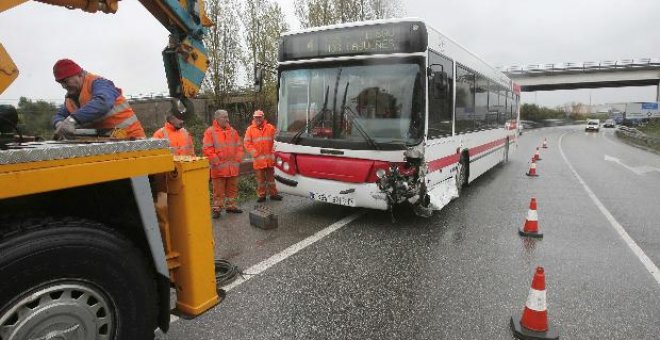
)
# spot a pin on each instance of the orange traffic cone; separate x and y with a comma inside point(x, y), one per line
point(537, 155)
point(545, 143)
point(531, 227)
point(533, 324)
point(532, 169)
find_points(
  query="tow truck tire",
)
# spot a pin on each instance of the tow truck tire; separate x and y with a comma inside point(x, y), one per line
point(75, 279)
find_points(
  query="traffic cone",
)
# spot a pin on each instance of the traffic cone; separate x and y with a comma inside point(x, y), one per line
point(532, 169)
point(537, 155)
point(545, 143)
point(531, 227)
point(533, 323)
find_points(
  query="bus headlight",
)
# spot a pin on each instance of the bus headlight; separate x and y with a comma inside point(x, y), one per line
point(285, 166)
point(279, 161)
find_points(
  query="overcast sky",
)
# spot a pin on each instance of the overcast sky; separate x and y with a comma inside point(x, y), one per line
point(126, 47)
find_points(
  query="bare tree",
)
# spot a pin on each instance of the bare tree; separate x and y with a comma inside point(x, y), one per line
point(225, 50)
point(264, 23)
point(383, 9)
point(313, 13)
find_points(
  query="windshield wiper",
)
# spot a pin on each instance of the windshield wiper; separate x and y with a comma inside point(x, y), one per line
point(296, 138)
point(357, 125)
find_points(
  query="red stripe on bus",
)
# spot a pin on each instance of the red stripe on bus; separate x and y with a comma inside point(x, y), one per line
point(451, 159)
point(443, 162)
point(483, 148)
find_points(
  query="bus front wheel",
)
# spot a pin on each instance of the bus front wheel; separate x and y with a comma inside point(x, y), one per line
point(461, 174)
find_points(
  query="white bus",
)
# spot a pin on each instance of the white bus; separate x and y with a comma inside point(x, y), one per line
point(373, 114)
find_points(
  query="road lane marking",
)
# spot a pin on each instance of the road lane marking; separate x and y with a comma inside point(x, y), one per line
point(618, 161)
point(639, 170)
point(279, 257)
point(291, 250)
point(646, 261)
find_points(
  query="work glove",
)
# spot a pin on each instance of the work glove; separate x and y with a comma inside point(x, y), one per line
point(65, 129)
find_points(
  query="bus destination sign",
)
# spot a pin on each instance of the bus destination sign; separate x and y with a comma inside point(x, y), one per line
point(402, 37)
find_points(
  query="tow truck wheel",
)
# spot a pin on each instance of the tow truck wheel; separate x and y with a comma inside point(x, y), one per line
point(73, 279)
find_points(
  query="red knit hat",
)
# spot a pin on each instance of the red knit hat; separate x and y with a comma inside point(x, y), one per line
point(65, 68)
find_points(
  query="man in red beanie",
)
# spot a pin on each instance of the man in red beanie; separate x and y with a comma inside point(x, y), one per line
point(91, 102)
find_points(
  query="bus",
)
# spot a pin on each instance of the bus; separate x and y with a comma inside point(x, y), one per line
point(378, 113)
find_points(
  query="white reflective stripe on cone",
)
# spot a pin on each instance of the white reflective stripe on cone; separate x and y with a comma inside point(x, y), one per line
point(536, 300)
point(532, 215)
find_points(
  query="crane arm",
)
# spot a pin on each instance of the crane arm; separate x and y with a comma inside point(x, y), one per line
point(185, 56)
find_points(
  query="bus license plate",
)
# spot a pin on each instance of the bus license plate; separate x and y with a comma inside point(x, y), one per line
point(341, 200)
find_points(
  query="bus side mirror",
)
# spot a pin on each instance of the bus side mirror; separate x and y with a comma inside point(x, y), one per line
point(440, 81)
point(258, 78)
point(438, 76)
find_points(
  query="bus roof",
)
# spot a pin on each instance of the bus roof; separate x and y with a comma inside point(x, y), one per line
point(353, 24)
point(436, 41)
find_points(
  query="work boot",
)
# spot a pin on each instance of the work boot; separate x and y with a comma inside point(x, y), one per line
point(234, 210)
point(261, 199)
point(276, 197)
point(215, 214)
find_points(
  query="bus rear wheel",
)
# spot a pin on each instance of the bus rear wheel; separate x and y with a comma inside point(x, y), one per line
point(74, 279)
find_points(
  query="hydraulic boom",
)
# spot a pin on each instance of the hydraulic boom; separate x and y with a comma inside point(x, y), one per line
point(185, 56)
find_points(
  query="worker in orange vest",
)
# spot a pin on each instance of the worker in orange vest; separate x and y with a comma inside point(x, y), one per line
point(223, 148)
point(91, 102)
point(259, 141)
point(181, 142)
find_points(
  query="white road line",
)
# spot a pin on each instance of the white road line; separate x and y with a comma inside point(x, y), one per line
point(618, 161)
point(275, 259)
point(646, 261)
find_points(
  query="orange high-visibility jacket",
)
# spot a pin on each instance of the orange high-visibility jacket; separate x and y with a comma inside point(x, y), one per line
point(224, 150)
point(259, 143)
point(121, 115)
point(181, 142)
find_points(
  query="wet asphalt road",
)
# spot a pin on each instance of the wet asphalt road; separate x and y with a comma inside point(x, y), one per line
point(462, 273)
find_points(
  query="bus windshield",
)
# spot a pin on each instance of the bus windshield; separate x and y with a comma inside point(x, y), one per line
point(375, 106)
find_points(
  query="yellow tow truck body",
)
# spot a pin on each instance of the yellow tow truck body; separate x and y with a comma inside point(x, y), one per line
point(111, 184)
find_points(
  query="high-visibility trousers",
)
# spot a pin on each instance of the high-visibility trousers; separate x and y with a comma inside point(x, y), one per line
point(225, 189)
point(266, 182)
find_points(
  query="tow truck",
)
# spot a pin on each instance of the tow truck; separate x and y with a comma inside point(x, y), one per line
point(89, 249)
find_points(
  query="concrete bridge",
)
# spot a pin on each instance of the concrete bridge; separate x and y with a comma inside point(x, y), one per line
point(568, 76)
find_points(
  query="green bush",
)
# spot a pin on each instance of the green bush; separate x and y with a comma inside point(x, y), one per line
point(652, 128)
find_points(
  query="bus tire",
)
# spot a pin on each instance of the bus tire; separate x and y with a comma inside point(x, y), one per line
point(462, 174)
point(69, 277)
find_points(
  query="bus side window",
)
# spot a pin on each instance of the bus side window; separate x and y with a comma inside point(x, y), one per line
point(465, 99)
point(440, 78)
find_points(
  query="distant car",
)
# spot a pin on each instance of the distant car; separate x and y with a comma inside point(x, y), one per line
point(592, 125)
point(520, 129)
point(609, 123)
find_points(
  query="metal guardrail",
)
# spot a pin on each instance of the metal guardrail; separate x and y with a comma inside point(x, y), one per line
point(638, 136)
point(583, 66)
